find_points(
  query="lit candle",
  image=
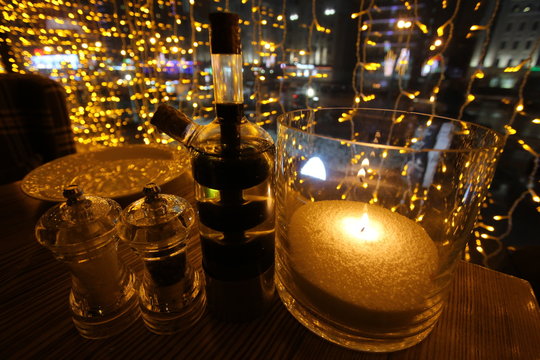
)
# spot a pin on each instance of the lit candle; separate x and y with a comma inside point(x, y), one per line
point(361, 265)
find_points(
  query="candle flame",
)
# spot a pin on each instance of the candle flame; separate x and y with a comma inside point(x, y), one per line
point(364, 220)
point(360, 228)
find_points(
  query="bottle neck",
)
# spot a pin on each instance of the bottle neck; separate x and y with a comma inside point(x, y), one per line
point(230, 117)
point(230, 112)
point(227, 74)
point(174, 123)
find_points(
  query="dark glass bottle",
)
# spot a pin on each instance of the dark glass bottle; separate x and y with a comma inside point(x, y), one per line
point(233, 164)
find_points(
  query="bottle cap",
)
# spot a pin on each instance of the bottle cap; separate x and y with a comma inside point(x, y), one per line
point(225, 33)
point(171, 121)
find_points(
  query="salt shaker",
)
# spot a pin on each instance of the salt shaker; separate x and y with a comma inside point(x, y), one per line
point(157, 227)
point(81, 232)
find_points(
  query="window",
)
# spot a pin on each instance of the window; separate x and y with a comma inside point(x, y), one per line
point(507, 83)
point(528, 45)
point(535, 25)
point(521, 26)
point(515, 45)
point(503, 45)
point(509, 27)
point(497, 62)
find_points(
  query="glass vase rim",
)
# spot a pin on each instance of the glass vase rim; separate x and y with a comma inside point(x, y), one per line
point(498, 143)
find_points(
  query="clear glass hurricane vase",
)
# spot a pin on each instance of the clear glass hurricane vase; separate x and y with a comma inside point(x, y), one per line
point(373, 211)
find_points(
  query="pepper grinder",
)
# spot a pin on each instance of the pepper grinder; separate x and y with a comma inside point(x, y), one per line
point(157, 227)
point(81, 232)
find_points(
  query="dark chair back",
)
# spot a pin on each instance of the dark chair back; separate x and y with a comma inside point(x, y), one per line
point(34, 124)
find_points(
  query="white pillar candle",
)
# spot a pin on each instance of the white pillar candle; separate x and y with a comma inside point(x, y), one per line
point(360, 264)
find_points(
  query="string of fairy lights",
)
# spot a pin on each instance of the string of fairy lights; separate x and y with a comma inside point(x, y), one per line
point(481, 228)
point(479, 74)
point(117, 58)
point(485, 231)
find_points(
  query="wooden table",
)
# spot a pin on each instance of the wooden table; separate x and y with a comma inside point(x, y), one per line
point(489, 315)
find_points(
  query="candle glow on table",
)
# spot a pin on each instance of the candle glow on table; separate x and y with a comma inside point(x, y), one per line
point(361, 264)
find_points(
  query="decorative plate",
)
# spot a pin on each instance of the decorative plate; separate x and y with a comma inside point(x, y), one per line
point(110, 172)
